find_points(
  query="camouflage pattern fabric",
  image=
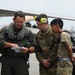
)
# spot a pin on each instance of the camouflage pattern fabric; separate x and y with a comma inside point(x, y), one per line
point(47, 42)
point(64, 68)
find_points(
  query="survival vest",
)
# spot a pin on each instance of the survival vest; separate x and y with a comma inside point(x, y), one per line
point(21, 39)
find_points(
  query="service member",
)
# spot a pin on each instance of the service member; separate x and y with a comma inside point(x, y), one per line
point(46, 46)
point(64, 52)
point(13, 36)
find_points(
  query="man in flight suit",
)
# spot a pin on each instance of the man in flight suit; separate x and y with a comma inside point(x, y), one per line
point(14, 36)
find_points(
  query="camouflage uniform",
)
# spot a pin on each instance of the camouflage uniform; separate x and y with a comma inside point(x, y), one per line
point(15, 63)
point(46, 43)
point(64, 67)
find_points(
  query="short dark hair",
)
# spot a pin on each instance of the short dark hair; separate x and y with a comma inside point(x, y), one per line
point(41, 16)
point(57, 21)
point(19, 13)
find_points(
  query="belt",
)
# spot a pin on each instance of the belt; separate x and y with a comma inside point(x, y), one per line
point(60, 59)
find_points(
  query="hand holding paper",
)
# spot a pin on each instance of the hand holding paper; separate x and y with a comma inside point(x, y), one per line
point(20, 49)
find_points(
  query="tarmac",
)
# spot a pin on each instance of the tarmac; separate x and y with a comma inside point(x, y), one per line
point(34, 65)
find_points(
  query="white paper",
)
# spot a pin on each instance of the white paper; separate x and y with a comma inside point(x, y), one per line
point(18, 49)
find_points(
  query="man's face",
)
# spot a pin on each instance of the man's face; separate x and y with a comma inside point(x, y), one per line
point(18, 21)
point(55, 28)
point(41, 26)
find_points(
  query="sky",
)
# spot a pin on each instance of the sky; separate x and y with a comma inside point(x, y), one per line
point(61, 8)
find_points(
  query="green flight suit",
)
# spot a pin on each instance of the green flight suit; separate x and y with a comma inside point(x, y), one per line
point(46, 41)
point(15, 63)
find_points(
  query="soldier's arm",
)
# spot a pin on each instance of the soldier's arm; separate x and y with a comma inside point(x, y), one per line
point(65, 41)
point(35, 48)
point(7, 44)
point(53, 54)
point(69, 49)
point(3, 43)
point(2, 34)
point(39, 57)
point(38, 52)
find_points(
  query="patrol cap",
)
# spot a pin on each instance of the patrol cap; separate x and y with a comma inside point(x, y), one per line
point(43, 18)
